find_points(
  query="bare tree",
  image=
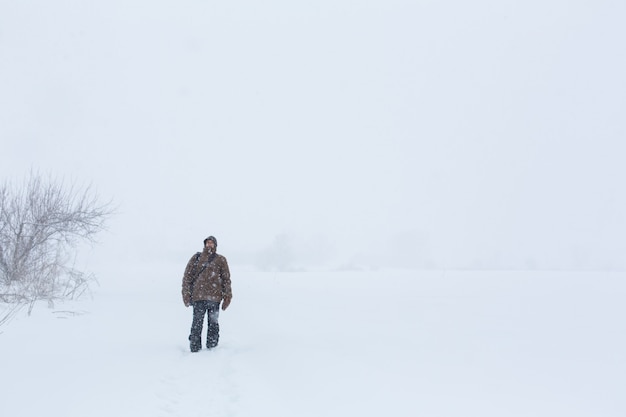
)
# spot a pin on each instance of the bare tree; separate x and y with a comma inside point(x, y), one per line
point(40, 222)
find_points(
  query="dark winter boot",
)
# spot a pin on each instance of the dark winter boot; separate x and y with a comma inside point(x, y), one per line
point(213, 335)
point(195, 343)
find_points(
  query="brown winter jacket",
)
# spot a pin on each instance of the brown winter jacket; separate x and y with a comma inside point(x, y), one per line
point(212, 284)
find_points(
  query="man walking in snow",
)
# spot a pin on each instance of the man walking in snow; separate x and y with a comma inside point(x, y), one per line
point(206, 283)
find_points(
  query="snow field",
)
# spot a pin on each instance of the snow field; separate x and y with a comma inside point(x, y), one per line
point(328, 343)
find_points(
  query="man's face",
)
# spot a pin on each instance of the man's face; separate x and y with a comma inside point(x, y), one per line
point(209, 244)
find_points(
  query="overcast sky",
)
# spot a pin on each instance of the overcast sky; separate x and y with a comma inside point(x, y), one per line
point(483, 134)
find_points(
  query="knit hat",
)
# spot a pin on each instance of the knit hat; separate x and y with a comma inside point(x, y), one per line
point(210, 238)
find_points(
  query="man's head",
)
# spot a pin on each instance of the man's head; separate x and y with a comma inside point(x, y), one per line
point(210, 242)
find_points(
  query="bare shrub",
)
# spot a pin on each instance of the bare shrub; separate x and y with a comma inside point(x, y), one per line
point(41, 221)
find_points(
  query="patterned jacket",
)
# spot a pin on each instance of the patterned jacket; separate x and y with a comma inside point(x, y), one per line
point(213, 281)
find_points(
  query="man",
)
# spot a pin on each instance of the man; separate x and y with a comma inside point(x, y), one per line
point(206, 283)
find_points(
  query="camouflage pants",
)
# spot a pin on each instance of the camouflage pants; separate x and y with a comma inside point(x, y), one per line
point(200, 308)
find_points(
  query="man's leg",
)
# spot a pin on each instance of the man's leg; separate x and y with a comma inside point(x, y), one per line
point(213, 333)
point(195, 337)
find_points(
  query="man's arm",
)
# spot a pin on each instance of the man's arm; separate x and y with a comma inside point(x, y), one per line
point(187, 280)
point(227, 292)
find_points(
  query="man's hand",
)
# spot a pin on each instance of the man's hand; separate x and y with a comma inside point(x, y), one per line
point(187, 302)
point(226, 303)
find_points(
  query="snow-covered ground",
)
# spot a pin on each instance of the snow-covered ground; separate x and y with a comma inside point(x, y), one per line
point(376, 343)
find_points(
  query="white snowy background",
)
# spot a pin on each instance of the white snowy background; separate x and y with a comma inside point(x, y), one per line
point(422, 203)
point(397, 343)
